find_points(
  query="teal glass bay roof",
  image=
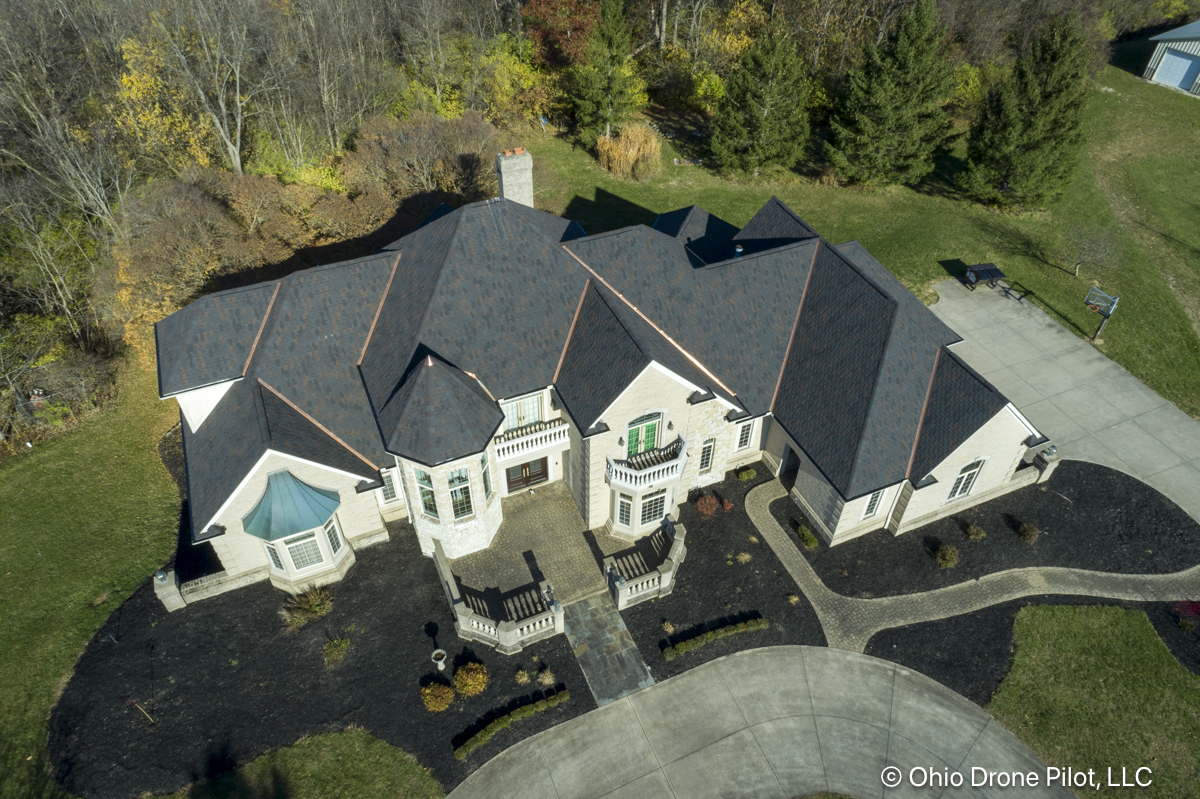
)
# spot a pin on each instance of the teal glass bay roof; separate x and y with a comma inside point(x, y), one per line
point(289, 506)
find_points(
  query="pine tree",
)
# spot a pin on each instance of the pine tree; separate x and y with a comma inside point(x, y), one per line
point(606, 91)
point(892, 122)
point(1025, 144)
point(763, 119)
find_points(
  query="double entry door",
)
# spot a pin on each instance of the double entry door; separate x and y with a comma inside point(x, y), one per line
point(526, 474)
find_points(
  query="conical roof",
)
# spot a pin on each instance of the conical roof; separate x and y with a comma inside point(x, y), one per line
point(289, 506)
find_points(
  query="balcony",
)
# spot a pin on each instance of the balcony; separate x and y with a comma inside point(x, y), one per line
point(525, 441)
point(649, 468)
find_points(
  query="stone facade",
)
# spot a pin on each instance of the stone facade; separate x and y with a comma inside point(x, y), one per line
point(458, 536)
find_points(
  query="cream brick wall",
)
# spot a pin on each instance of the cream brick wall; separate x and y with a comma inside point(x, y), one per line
point(851, 523)
point(392, 511)
point(357, 516)
point(458, 536)
point(1001, 441)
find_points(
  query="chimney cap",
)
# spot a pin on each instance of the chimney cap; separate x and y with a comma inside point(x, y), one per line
point(517, 151)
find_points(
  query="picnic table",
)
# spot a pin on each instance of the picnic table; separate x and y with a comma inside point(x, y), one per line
point(985, 273)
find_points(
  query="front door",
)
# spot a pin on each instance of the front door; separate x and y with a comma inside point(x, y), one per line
point(526, 474)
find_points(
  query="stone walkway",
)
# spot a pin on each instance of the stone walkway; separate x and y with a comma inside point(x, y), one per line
point(610, 659)
point(849, 623)
point(1089, 406)
point(768, 723)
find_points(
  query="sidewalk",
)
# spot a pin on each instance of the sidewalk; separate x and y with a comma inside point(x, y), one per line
point(1088, 405)
point(769, 724)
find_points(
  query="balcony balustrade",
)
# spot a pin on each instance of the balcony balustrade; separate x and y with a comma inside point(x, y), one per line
point(649, 468)
point(525, 441)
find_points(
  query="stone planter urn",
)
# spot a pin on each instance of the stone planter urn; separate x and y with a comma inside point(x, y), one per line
point(439, 657)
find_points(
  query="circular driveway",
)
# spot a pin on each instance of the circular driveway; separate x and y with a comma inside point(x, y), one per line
point(775, 722)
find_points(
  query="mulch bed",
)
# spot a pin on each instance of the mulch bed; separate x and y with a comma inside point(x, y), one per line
point(224, 683)
point(1090, 517)
point(712, 589)
point(971, 654)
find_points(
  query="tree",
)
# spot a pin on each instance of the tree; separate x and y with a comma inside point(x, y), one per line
point(606, 89)
point(762, 119)
point(560, 30)
point(1026, 141)
point(892, 121)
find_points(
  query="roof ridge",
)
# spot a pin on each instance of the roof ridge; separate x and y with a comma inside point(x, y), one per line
point(318, 425)
point(420, 331)
point(772, 251)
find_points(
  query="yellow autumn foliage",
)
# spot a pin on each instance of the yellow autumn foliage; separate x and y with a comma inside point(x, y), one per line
point(741, 25)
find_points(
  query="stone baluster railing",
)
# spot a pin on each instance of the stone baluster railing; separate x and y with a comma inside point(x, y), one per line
point(656, 583)
point(543, 436)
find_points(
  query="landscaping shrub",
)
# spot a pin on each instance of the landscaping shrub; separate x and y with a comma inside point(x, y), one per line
point(747, 474)
point(946, 556)
point(975, 532)
point(635, 153)
point(807, 538)
point(707, 505)
point(523, 677)
point(672, 652)
point(793, 599)
point(1187, 625)
point(743, 558)
point(1028, 533)
point(727, 504)
point(668, 627)
point(525, 711)
point(335, 650)
point(437, 697)
point(546, 678)
point(304, 607)
point(471, 679)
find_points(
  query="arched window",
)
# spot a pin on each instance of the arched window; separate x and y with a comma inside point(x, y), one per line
point(966, 479)
point(643, 434)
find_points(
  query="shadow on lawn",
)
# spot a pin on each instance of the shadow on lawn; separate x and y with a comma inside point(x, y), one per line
point(222, 779)
point(607, 212)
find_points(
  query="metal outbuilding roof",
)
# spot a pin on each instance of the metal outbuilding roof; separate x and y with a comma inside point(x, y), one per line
point(289, 506)
point(1189, 31)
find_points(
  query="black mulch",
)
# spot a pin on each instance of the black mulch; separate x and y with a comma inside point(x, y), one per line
point(225, 684)
point(712, 589)
point(971, 654)
point(1090, 517)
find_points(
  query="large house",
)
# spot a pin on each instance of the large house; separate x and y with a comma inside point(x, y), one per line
point(498, 347)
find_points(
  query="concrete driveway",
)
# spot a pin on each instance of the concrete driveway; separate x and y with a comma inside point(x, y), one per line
point(768, 723)
point(1088, 405)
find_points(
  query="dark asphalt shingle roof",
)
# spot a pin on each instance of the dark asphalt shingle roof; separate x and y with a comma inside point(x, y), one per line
point(216, 331)
point(960, 402)
point(708, 238)
point(773, 226)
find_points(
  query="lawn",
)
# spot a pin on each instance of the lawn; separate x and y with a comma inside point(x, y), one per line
point(1094, 687)
point(1140, 165)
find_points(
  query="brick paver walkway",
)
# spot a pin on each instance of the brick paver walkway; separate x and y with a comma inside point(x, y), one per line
point(849, 623)
point(542, 532)
point(605, 650)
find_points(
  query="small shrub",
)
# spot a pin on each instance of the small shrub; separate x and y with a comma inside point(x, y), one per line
point(471, 679)
point(753, 539)
point(793, 599)
point(523, 677)
point(100, 600)
point(546, 678)
point(525, 711)
point(707, 505)
point(807, 538)
point(335, 650)
point(668, 627)
point(1028, 533)
point(975, 532)
point(946, 556)
point(683, 647)
point(304, 607)
point(437, 697)
point(747, 474)
point(635, 152)
point(743, 558)
point(727, 504)
point(1187, 625)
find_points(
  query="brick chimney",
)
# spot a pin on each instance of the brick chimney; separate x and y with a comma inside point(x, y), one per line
point(514, 171)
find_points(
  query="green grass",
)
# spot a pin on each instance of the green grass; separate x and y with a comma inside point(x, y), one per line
point(89, 514)
point(348, 765)
point(1093, 687)
point(1137, 179)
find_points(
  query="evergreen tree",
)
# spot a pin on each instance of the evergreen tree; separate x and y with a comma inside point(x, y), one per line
point(763, 119)
point(606, 91)
point(892, 122)
point(1026, 141)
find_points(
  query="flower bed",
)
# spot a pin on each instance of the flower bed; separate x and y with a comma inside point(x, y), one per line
point(503, 722)
point(683, 647)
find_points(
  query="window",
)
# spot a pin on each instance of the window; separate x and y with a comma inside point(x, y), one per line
point(425, 484)
point(304, 551)
point(274, 553)
point(460, 493)
point(624, 509)
point(389, 486)
point(653, 506)
point(522, 412)
point(643, 433)
point(966, 479)
point(331, 532)
point(706, 454)
point(487, 476)
point(744, 435)
point(873, 503)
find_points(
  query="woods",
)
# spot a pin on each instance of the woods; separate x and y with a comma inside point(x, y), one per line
point(151, 149)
